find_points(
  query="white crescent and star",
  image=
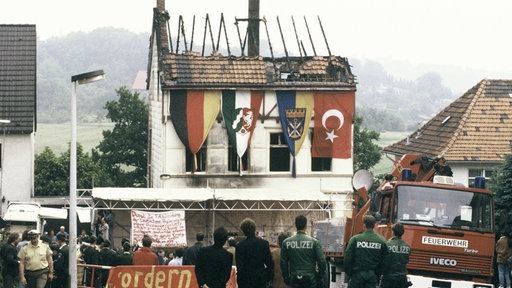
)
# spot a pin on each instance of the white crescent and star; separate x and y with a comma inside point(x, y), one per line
point(327, 115)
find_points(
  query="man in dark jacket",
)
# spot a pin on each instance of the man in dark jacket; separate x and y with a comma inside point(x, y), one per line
point(10, 260)
point(254, 264)
point(190, 256)
point(61, 265)
point(107, 257)
point(91, 256)
point(213, 265)
point(126, 256)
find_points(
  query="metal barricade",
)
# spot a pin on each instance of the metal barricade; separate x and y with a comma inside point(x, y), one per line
point(91, 275)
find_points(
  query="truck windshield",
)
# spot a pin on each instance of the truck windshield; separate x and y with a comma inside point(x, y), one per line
point(444, 207)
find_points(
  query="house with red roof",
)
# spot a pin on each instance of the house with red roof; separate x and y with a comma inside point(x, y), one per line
point(473, 133)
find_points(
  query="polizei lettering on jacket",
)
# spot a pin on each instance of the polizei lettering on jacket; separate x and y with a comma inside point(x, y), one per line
point(399, 249)
point(299, 244)
point(368, 245)
point(444, 242)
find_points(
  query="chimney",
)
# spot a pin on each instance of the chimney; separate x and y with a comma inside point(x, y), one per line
point(253, 28)
point(160, 4)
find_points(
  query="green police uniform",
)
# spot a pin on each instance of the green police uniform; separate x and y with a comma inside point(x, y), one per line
point(364, 256)
point(395, 271)
point(301, 255)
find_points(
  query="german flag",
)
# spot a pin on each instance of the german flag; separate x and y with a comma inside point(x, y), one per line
point(193, 113)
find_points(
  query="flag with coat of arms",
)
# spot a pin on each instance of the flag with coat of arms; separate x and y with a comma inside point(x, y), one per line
point(295, 110)
point(240, 110)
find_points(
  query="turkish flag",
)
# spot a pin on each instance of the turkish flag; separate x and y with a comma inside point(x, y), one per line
point(332, 134)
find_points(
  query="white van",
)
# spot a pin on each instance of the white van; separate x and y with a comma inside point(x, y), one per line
point(21, 216)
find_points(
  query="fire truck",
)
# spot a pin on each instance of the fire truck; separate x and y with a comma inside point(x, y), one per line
point(450, 227)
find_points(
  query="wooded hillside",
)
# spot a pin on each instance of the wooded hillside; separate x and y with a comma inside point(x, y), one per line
point(386, 103)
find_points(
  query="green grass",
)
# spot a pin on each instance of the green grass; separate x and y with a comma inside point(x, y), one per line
point(58, 136)
point(387, 138)
point(390, 137)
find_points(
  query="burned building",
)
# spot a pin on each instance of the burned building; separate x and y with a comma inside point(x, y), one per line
point(246, 135)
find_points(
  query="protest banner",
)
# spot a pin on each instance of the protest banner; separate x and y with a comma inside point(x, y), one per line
point(166, 229)
point(157, 277)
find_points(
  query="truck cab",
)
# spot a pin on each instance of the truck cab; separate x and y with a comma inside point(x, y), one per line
point(449, 227)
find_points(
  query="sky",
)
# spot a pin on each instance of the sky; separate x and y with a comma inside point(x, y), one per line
point(466, 34)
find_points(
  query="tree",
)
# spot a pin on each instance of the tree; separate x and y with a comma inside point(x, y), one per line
point(502, 189)
point(366, 153)
point(51, 178)
point(123, 150)
point(52, 173)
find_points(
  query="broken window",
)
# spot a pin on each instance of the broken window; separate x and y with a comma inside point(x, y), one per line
point(279, 153)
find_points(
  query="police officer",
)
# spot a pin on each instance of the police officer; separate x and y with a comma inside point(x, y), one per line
point(302, 258)
point(36, 263)
point(364, 256)
point(395, 271)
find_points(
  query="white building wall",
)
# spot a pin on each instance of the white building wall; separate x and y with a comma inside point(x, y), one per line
point(336, 183)
point(17, 173)
point(461, 170)
point(460, 174)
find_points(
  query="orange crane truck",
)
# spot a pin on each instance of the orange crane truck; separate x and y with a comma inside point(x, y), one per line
point(450, 227)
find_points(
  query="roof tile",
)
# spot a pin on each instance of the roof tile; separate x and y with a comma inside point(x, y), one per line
point(475, 127)
point(18, 77)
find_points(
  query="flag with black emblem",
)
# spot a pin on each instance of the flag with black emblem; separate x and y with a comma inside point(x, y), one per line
point(295, 110)
point(240, 110)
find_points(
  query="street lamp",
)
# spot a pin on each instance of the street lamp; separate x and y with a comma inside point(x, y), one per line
point(2, 196)
point(83, 78)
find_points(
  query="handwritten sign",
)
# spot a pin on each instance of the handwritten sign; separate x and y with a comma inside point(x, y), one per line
point(166, 229)
point(157, 277)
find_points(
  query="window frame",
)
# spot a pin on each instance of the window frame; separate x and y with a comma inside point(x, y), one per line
point(278, 148)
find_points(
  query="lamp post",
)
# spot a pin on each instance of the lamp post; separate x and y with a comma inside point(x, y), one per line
point(83, 78)
point(2, 196)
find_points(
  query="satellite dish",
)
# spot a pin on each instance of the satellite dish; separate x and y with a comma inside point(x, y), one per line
point(362, 178)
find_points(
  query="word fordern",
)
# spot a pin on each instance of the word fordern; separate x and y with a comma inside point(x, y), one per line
point(156, 277)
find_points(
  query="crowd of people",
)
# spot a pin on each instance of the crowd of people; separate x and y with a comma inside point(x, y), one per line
point(295, 261)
